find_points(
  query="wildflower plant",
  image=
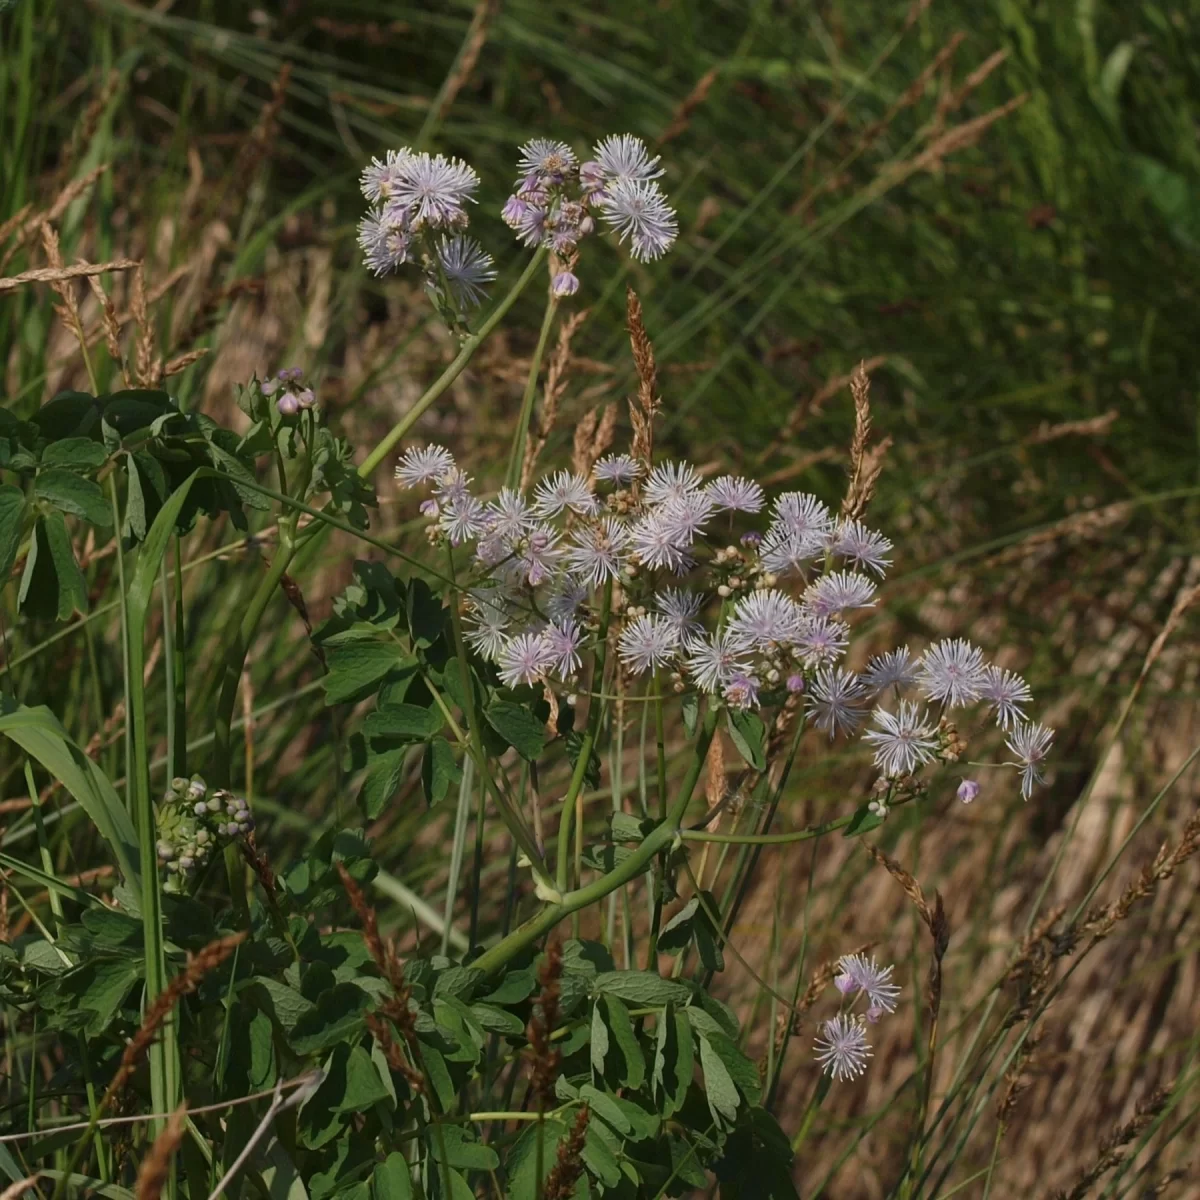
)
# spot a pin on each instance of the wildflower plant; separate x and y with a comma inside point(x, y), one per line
point(493, 668)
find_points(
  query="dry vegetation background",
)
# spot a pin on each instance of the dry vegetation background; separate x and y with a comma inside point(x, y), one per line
point(971, 205)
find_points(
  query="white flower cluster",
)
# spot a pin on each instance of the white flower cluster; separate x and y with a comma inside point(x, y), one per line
point(750, 620)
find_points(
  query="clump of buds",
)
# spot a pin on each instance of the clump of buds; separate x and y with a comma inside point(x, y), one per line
point(192, 824)
point(294, 394)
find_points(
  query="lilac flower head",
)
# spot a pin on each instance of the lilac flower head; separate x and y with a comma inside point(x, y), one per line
point(1005, 692)
point(736, 494)
point(561, 491)
point(563, 639)
point(509, 518)
point(432, 189)
point(421, 465)
point(468, 269)
point(385, 241)
point(647, 643)
point(842, 1049)
point(1030, 743)
point(637, 210)
point(539, 555)
point(862, 974)
point(671, 481)
point(893, 669)
point(379, 179)
point(795, 684)
point(546, 160)
point(463, 518)
point(621, 158)
point(821, 640)
point(617, 468)
point(488, 635)
point(765, 617)
point(599, 551)
point(563, 603)
point(838, 591)
point(904, 740)
point(968, 791)
point(952, 671)
point(525, 219)
point(801, 514)
point(741, 691)
point(685, 516)
point(863, 547)
point(784, 553)
point(713, 662)
point(524, 659)
point(835, 700)
point(655, 544)
point(564, 284)
point(681, 608)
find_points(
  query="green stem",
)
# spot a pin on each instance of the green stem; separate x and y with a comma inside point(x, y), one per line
point(452, 372)
point(630, 868)
point(516, 457)
point(179, 699)
point(660, 738)
point(585, 746)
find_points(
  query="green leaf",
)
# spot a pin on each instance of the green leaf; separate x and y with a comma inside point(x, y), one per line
point(497, 1020)
point(133, 409)
point(621, 1026)
point(52, 585)
point(741, 1070)
point(73, 494)
point(518, 727)
point(643, 988)
point(381, 781)
point(599, 1158)
point(284, 1004)
point(77, 454)
point(96, 989)
point(691, 713)
point(391, 1179)
point(355, 668)
point(149, 560)
point(456, 1147)
point(425, 614)
point(749, 735)
point(12, 526)
point(673, 1060)
point(863, 821)
point(38, 733)
point(722, 1093)
point(338, 1014)
point(68, 414)
point(363, 1085)
point(405, 722)
point(435, 1068)
point(438, 770)
point(598, 1044)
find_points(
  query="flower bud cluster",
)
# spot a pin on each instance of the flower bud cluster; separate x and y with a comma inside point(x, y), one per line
point(192, 824)
point(295, 396)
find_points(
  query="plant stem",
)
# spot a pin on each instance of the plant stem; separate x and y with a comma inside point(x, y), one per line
point(659, 873)
point(516, 457)
point(659, 839)
point(452, 372)
point(585, 747)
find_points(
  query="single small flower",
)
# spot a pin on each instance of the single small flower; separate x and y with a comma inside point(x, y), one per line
point(524, 659)
point(712, 662)
point(863, 547)
point(801, 513)
point(764, 617)
point(736, 494)
point(785, 553)
point(386, 242)
point(741, 691)
point(539, 555)
point(454, 484)
point(904, 740)
point(681, 608)
point(893, 669)
point(565, 600)
point(835, 700)
point(564, 490)
point(468, 269)
point(421, 465)
point(288, 404)
point(432, 189)
point(637, 210)
point(1005, 692)
point(617, 468)
point(463, 518)
point(509, 517)
point(952, 671)
point(843, 1050)
point(820, 641)
point(621, 157)
point(968, 791)
point(563, 639)
point(378, 180)
point(671, 481)
point(548, 160)
point(647, 643)
point(564, 284)
point(1030, 743)
point(489, 634)
point(795, 684)
point(599, 551)
point(685, 516)
point(525, 219)
point(431, 509)
point(655, 544)
point(838, 591)
point(862, 974)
